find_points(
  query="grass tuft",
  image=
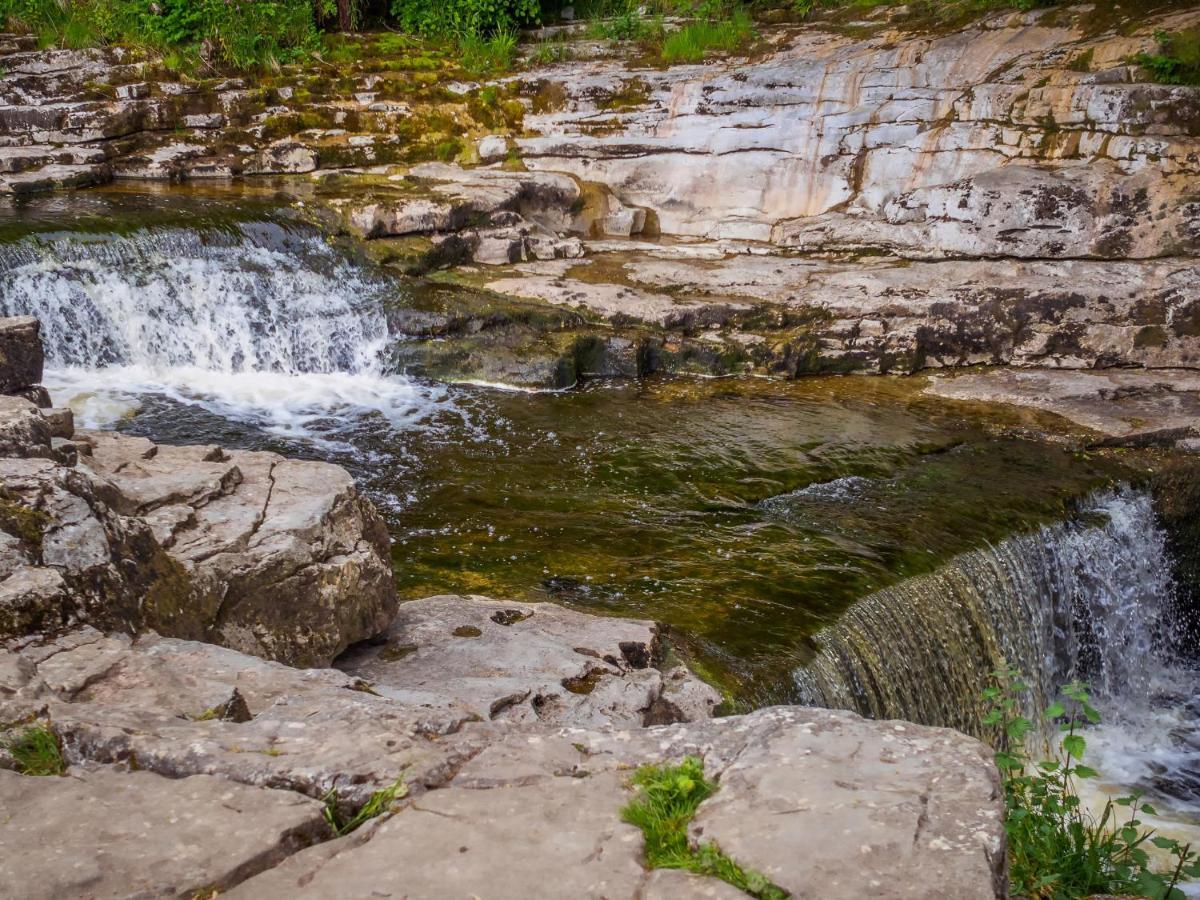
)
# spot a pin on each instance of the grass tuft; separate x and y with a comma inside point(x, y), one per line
point(377, 804)
point(667, 800)
point(36, 752)
point(696, 40)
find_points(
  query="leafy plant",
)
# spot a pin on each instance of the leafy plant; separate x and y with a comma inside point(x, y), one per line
point(1177, 60)
point(1057, 848)
point(463, 18)
point(377, 804)
point(36, 752)
point(667, 800)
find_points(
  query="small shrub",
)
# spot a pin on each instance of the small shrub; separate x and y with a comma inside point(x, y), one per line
point(668, 797)
point(481, 56)
point(377, 804)
point(1057, 848)
point(1177, 60)
point(36, 752)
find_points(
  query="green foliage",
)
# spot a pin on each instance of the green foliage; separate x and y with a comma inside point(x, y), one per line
point(667, 799)
point(1177, 60)
point(698, 39)
point(377, 804)
point(1058, 850)
point(242, 33)
point(36, 752)
point(465, 18)
point(480, 55)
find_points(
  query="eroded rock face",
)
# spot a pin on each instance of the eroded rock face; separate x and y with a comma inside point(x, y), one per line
point(529, 662)
point(497, 808)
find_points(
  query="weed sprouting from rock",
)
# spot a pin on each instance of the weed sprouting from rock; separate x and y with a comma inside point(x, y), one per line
point(377, 804)
point(36, 752)
point(1057, 848)
point(668, 797)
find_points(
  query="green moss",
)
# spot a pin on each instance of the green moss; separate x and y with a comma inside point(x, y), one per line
point(23, 522)
point(1150, 336)
point(469, 631)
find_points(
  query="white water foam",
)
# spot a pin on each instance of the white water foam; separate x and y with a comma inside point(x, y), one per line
point(260, 324)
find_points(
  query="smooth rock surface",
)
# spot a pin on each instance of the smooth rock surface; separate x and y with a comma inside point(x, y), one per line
point(101, 833)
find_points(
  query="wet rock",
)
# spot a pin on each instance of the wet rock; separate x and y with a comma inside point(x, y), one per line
point(282, 157)
point(21, 354)
point(104, 833)
point(528, 662)
point(1129, 407)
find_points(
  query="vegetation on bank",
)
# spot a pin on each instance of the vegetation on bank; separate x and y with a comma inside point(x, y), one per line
point(1058, 849)
point(668, 797)
point(249, 34)
point(1177, 59)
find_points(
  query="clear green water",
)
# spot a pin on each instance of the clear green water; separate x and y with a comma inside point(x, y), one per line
point(745, 514)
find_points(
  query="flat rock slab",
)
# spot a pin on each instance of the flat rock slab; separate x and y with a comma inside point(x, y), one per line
point(529, 662)
point(1123, 404)
point(823, 803)
point(107, 834)
point(180, 708)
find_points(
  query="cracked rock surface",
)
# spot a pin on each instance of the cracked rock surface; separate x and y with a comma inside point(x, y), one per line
point(500, 809)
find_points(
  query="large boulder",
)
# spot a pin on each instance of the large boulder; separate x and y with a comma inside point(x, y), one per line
point(276, 557)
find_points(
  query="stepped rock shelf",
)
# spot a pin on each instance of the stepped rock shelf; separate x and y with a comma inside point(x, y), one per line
point(868, 197)
point(196, 767)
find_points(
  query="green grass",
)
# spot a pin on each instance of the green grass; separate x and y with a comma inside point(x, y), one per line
point(36, 752)
point(696, 40)
point(490, 55)
point(1177, 60)
point(667, 799)
point(377, 804)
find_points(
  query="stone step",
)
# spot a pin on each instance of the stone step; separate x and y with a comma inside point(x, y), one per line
point(23, 159)
point(55, 177)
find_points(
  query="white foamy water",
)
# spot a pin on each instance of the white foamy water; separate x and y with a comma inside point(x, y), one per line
point(259, 323)
point(1090, 599)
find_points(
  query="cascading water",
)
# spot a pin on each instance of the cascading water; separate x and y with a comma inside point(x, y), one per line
point(1091, 598)
point(259, 321)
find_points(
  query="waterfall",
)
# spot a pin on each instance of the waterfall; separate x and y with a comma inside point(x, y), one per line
point(260, 321)
point(1091, 598)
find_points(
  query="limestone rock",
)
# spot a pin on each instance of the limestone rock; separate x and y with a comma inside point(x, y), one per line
point(528, 662)
point(276, 557)
point(100, 833)
point(1163, 405)
point(21, 354)
point(282, 157)
point(158, 702)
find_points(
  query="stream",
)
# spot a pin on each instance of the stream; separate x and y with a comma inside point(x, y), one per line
point(845, 541)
